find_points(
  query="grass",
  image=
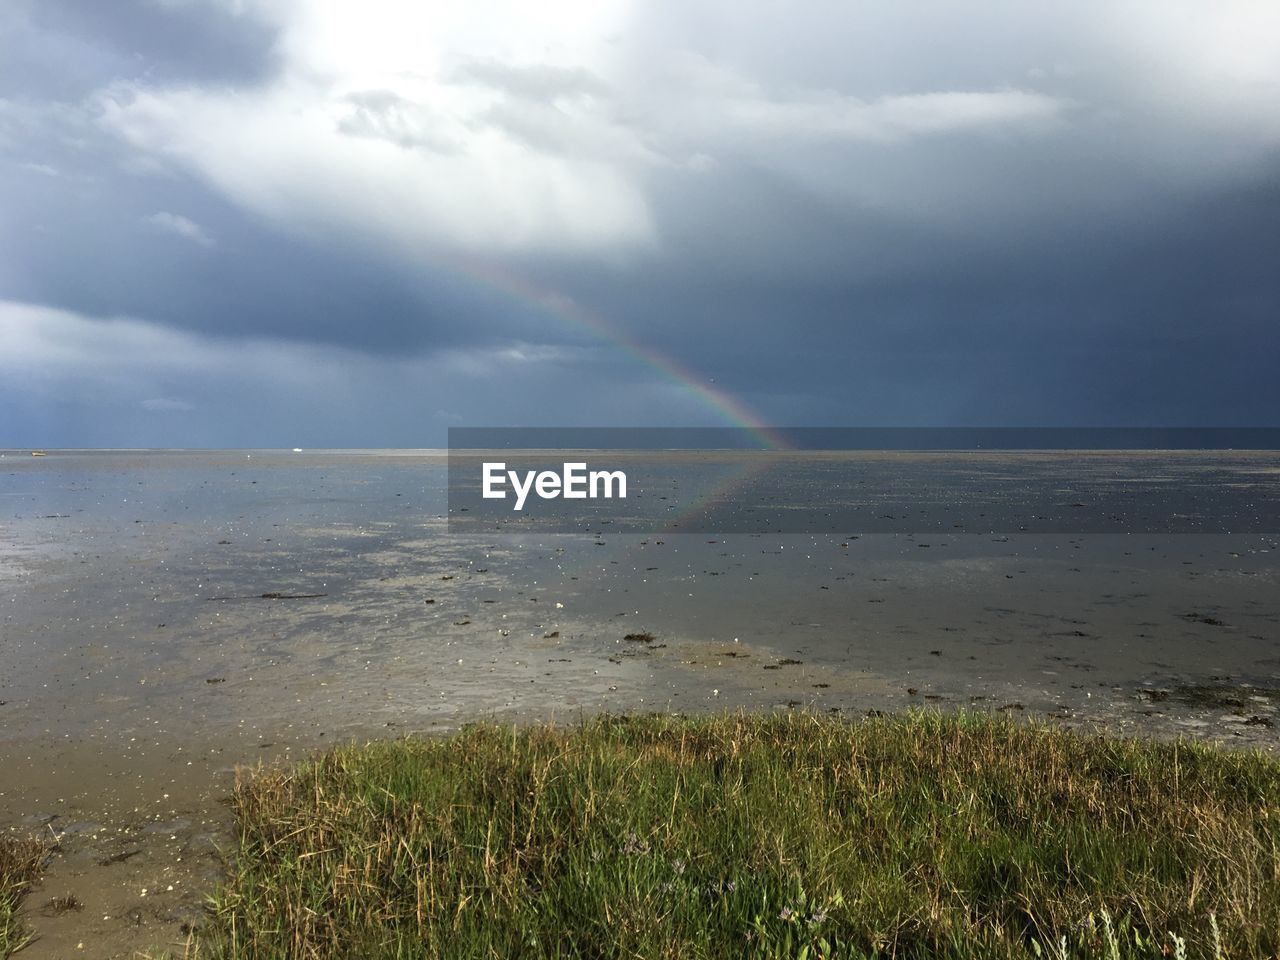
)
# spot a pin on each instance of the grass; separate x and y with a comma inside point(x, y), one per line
point(21, 862)
point(798, 836)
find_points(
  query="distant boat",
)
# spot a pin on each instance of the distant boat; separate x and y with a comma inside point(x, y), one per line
point(297, 449)
point(38, 453)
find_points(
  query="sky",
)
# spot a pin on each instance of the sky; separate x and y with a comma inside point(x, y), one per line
point(319, 223)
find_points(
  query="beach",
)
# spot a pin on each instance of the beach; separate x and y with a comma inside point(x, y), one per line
point(170, 617)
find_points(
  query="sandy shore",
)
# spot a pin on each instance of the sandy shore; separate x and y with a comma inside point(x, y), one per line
point(154, 639)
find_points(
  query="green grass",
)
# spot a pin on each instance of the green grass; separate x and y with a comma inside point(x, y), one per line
point(950, 836)
point(21, 862)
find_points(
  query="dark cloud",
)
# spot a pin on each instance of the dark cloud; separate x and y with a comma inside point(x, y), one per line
point(96, 250)
point(1008, 215)
point(65, 48)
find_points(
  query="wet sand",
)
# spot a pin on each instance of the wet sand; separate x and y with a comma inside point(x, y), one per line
point(166, 618)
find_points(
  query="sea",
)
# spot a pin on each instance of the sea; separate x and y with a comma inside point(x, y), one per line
point(330, 593)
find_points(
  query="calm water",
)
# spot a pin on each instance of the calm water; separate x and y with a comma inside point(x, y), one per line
point(133, 601)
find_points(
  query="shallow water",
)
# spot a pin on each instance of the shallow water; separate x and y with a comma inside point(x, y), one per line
point(133, 591)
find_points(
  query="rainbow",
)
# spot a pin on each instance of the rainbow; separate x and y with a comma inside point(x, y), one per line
point(565, 310)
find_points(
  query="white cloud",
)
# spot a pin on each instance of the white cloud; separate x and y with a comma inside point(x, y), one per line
point(363, 130)
point(180, 226)
point(1210, 71)
point(502, 127)
point(717, 98)
point(414, 176)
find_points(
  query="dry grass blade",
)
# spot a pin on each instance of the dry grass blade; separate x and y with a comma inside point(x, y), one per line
point(21, 863)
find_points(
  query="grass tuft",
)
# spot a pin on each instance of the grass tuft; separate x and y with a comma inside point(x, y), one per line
point(21, 863)
point(796, 836)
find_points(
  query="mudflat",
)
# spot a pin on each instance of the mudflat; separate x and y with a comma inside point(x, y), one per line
point(169, 617)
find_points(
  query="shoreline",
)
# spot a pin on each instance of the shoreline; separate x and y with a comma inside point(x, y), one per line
point(139, 858)
point(141, 830)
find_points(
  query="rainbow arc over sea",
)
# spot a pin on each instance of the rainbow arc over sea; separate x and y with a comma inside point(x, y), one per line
point(568, 312)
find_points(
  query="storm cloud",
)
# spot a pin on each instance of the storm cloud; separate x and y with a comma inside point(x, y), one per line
point(378, 220)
